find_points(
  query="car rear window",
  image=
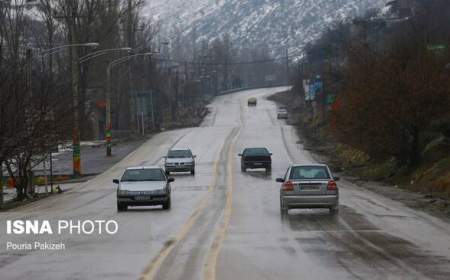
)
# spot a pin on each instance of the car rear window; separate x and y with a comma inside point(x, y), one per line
point(179, 154)
point(136, 175)
point(309, 173)
point(256, 152)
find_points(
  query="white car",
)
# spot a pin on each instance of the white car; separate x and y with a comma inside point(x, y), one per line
point(180, 160)
point(143, 186)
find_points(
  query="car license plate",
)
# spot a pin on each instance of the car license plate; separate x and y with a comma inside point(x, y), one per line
point(145, 197)
point(257, 164)
point(309, 188)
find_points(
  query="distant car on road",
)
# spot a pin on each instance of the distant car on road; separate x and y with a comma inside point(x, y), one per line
point(143, 186)
point(180, 160)
point(282, 113)
point(309, 186)
point(252, 101)
point(256, 158)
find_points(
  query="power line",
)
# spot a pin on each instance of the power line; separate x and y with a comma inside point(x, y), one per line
point(220, 63)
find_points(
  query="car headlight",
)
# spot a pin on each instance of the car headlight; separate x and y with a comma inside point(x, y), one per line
point(159, 191)
point(123, 192)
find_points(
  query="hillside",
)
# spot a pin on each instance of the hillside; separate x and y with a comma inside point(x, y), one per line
point(278, 24)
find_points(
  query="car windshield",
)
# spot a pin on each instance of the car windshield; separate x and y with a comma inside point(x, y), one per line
point(179, 154)
point(309, 173)
point(136, 175)
point(256, 152)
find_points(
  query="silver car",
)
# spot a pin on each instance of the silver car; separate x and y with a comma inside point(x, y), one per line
point(180, 160)
point(309, 186)
point(143, 186)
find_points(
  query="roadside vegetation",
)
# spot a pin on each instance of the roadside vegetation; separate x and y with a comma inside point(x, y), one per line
point(389, 118)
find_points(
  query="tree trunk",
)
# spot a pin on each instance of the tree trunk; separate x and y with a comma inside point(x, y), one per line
point(415, 156)
point(22, 185)
point(404, 153)
point(1, 182)
point(10, 173)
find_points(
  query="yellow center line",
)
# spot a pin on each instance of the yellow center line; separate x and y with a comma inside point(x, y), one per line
point(152, 268)
point(211, 261)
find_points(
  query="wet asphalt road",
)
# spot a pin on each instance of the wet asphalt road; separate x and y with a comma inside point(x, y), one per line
point(227, 225)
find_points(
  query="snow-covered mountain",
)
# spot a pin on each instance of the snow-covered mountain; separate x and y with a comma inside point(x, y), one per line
point(277, 23)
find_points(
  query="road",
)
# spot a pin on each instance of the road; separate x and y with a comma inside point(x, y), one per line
point(225, 224)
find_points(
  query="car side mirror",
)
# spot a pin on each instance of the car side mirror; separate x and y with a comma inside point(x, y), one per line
point(116, 181)
point(170, 180)
point(280, 180)
point(336, 178)
point(270, 154)
point(240, 155)
point(194, 156)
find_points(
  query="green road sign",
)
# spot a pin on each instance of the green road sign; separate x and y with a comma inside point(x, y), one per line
point(438, 47)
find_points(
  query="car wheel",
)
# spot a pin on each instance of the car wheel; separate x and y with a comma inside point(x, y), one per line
point(121, 207)
point(283, 214)
point(193, 172)
point(166, 206)
point(243, 169)
point(283, 208)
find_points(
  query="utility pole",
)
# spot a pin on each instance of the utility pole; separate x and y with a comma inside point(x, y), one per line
point(216, 82)
point(285, 31)
point(194, 51)
point(287, 66)
point(147, 88)
point(130, 39)
point(29, 57)
point(153, 109)
point(108, 134)
point(226, 69)
point(51, 171)
point(76, 155)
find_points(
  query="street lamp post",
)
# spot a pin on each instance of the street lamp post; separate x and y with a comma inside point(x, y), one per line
point(61, 48)
point(75, 94)
point(93, 55)
point(98, 53)
point(108, 133)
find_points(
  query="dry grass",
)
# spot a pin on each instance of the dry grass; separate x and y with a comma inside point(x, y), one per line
point(434, 177)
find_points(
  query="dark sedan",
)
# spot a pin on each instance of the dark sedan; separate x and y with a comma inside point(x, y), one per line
point(256, 158)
